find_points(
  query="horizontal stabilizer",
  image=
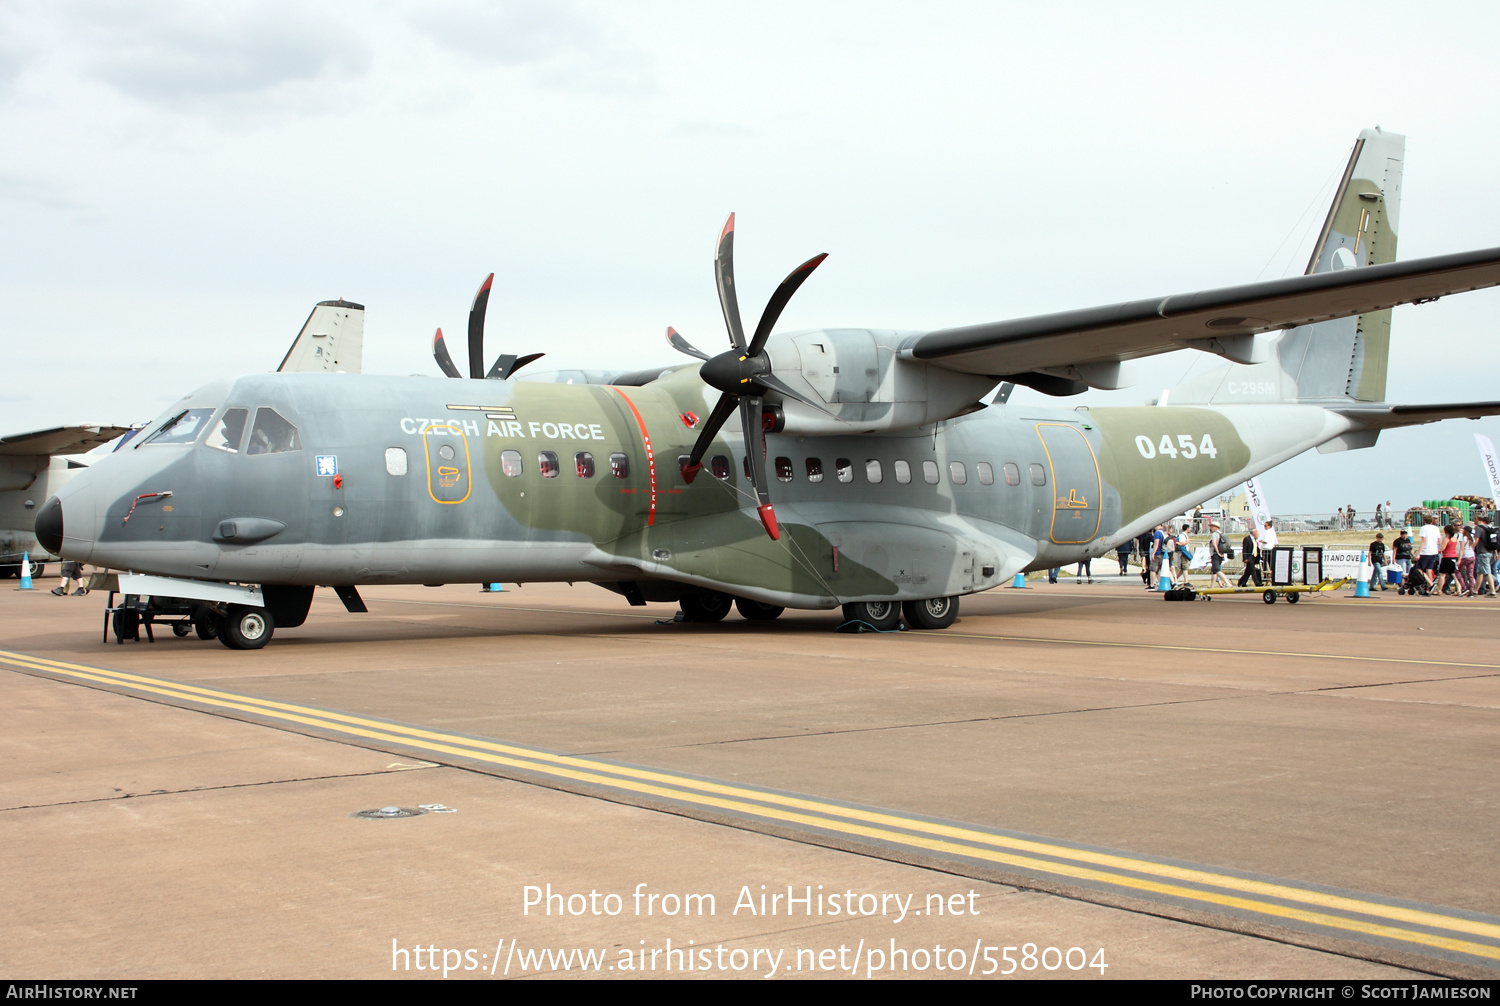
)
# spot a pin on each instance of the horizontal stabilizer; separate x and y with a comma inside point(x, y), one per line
point(1199, 320)
point(1385, 417)
point(61, 440)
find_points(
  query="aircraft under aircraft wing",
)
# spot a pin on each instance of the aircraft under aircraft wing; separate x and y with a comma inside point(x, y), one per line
point(866, 469)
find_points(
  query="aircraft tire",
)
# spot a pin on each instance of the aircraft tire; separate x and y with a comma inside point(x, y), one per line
point(247, 628)
point(757, 612)
point(38, 570)
point(706, 606)
point(883, 615)
point(205, 623)
point(933, 613)
point(127, 624)
point(1269, 597)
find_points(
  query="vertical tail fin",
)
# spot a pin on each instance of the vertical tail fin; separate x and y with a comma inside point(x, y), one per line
point(332, 339)
point(1345, 358)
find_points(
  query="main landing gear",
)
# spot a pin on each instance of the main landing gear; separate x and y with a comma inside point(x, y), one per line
point(244, 628)
point(932, 613)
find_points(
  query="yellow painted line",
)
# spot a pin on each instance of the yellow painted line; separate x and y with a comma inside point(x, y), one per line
point(938, 837)
point(1204, 649)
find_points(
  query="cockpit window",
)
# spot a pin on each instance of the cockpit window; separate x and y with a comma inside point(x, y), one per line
point(272, 434)
point(226, 436)
point(182, 428)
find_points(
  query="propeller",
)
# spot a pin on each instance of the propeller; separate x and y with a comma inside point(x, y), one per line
point(505, 365)
point(743, 374)
point(677, 342)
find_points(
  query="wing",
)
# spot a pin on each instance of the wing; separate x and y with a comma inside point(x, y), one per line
point(61, 440)
point(1226, 321)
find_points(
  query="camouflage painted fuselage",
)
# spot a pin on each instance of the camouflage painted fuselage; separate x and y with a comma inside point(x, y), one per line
point(426, 491)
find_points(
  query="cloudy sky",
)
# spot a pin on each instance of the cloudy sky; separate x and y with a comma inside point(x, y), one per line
point(180, 183)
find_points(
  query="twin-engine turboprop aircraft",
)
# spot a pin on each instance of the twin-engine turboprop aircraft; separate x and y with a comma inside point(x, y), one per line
point(865, 470)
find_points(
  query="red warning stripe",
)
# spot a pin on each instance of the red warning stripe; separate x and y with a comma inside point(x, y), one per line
point(650, 455)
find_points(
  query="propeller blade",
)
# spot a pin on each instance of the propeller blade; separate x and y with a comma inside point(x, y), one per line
point(677, 342)
point(504, 364)
point(723, 409)
point(755, 449)
point(476, 328)
point(724, 277)
point(440, 354)
point(778, 301)
point(523, 361)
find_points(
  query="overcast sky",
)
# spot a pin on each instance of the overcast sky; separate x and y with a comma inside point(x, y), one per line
point(180, 183)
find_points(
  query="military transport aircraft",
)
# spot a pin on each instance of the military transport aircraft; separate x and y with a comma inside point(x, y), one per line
point(866, 469)
point(34, 466)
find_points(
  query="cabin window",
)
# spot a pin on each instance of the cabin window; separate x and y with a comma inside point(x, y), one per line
point(447, 453)
point(784, 469)
point(272, 434)
point(815, 469)
point(619, 465)
point(985, 472)
point(583, 464)
point(395, 460)
point(510, 463)
point(903, 472)
point(845, 469)
point(547, 462)
point(930, 472)
point(720, 466)
point(872, 471)
point(184, 427)
point(231, 430)
point(1012, 474)
point(1038, 475)
point(957, 474)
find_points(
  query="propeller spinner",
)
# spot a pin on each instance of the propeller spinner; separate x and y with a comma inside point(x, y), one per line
point(505, 364)
point(743, 374)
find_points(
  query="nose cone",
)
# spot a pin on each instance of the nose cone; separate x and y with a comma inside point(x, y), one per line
point(49, 526)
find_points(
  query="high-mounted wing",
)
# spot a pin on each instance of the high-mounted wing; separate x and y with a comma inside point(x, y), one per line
point(60, 440)
point(1223, 321)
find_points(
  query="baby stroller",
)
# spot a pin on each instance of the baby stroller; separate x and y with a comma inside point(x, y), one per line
point(1414, 583)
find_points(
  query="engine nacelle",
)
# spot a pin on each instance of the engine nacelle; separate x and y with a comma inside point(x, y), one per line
point(860, 377)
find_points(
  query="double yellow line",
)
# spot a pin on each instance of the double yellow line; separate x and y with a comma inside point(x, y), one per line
point(1199, 888)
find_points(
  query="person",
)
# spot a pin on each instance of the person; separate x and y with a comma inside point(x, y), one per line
point(1182, 552)
point(1158, 553)
point(1448, 559)
point(1466, 561)
point(1402, 548)
point(1122, 553)
point(1218, 551)
point(1349, 513)
point(71, 571)
point(1389, 520)
point(1143, 549)
point(1338, 523)
point(1052, 574)
point(1427, 552)
point(1197, 520)
point(1484, 556)
point(1251, 560)
point(1379, 516)
point(1085, 570)
point(1377, 559)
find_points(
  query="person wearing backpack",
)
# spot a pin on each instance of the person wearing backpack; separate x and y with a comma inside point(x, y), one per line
point(1218, 551)
point(1485, 544)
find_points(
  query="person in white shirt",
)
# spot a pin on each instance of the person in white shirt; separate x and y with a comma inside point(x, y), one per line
point(1427, 558)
